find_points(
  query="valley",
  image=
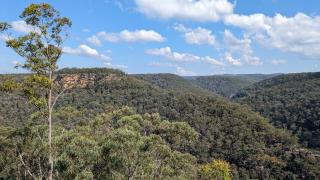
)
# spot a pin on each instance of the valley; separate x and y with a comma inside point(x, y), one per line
point(226, 129)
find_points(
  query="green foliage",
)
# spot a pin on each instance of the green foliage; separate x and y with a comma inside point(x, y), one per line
point(172, 82)
point(289, 101)
point(24, 153)
point(76, 153)
point(226, 130)
point(217, 169)
point(101, 71)
point(116, 145)
point(9, 85)
point(69, 116)
point(227, 85)
point(41, 49)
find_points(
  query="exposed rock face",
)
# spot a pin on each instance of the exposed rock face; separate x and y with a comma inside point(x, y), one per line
point(69, 81)
point(76, 80)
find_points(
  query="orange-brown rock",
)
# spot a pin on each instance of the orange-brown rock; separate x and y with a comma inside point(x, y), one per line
point(69, 81)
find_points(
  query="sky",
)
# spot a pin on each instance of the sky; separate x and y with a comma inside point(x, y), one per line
point(184, 37)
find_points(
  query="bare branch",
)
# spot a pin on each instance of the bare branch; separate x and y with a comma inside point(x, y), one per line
point(40, 169)
point(24, 164)
point(56, 98)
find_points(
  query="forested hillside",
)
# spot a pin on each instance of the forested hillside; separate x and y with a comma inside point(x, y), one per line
point(227, 131)
point(173, 82)
point(115, 145)
point(290, 101)
point(227, 85)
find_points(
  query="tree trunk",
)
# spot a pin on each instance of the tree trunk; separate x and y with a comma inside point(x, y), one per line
point(50, 130)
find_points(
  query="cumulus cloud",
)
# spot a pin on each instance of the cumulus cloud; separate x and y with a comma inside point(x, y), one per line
point(178, 69)
point(197, 10)
point(241, 47)
point(197, 36)
point(161, 64)
point(279, 32)
point(4, 37)
point(84, 50)
point(115, 66)
point(184, 72)
point(167, 53)
point(252, 22)
point(252, 60)
point(212, 61)
point(278, 61)
point(23, 27)
point(230, 60)
point(94, 40)
point(127, 36)
point(237, 45)
point(298, 34)
point(87, 51)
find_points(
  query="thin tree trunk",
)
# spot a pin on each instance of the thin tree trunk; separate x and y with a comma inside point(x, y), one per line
point(50, 129)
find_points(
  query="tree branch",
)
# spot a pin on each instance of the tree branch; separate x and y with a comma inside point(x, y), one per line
point(56, 98)
point(28, 170)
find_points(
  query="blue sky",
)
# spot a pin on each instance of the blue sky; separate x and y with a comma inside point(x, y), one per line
point(185, 37)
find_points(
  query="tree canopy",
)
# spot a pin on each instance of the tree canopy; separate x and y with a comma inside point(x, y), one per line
point(116, 145)
point(289, 101)
point(228, 131)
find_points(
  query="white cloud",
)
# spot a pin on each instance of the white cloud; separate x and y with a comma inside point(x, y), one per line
point(298, 34)
point(250, 22)
point(16, 63)
point(119, 4)
point(212, 61)
point(181, 28)
point(252, 60)
point(184, 72)
point(241, 47)
point(87, 51)
point(116, 66)
point(178, 69)
point(167, 53)
point(123, 5)
point(94, 40)
point(160, 64)
point(237, 45)
point(232, 61)
point(84, 50)
point(197, 36)
point(131, 36)
point(23, 27)
point(197, 10)
point(278, 61)
point(4, 37)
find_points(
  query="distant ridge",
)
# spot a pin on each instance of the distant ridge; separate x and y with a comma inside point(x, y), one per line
point(290, 101)
point(228, 84)
point(172, 82)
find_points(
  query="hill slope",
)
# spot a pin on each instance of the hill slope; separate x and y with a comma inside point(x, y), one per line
point(227, 130)
point(290, 101)
point(172, 82)
point(227, 85)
